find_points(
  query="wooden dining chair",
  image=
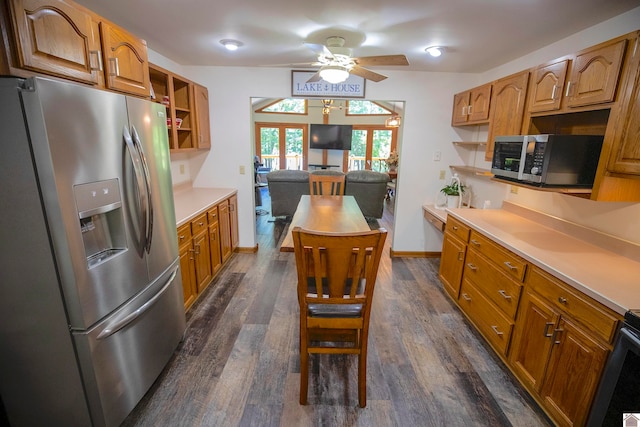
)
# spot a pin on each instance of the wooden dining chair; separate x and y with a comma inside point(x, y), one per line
point(326, 185)
point(336, 278)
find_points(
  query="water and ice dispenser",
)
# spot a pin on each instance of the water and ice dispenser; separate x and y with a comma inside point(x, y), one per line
point(99, 207)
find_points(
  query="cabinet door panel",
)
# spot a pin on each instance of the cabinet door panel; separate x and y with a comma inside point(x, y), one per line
point(214, 243)
point(530, 352)
point(188, 273)
point(626, 148)
point(507, 108)
point(594, 75)
point(202, 260)
point(126, 63)
point(574, 371)
point(56, 38)
point(201, 95)
point(452, 264)
point(479, 103)
point(225, 230)
point(460, 107)
point(547, 87)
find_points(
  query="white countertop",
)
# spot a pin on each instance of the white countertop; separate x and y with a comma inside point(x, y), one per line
point(610, 278)
point(192, 201)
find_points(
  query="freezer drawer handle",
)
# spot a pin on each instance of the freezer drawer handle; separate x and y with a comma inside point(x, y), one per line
point(116, 326)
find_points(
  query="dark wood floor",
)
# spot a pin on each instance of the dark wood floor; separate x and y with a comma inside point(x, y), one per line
point(239, 365)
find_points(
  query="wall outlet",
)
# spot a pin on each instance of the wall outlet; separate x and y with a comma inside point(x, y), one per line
point(514, 189)
point(241, 169)
point(181, 169)
point(442, 174)
point(437, 155)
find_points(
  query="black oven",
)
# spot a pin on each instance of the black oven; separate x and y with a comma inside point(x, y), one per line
point(619, 390)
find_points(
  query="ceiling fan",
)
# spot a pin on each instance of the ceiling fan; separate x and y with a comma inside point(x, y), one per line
point(336, 63)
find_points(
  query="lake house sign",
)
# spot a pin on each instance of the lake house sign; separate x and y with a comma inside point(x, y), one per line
point(353, 87)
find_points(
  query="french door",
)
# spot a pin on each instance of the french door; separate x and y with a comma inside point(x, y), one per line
point(282, 145)
point(370, 147)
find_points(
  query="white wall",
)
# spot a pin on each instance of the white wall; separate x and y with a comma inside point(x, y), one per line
point(426, 128)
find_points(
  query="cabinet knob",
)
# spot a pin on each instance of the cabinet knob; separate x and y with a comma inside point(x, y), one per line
point(562, 300)
point(454, 228)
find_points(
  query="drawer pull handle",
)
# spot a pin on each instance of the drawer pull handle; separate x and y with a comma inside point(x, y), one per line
point(546, 329)
point(460, 256)
point(555, 338)
point(475, 242)
point(454, 227)
point(466, 297)
point(511, 266)
point(201, 223)
point(197, 249)
point(495, 329)
point(562, 300)
point(472, 267)
point(504, 294)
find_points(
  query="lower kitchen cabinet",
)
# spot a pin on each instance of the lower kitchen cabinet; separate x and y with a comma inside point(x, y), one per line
point(200, 245)
point(554, 338)
point(187, 265)
point(454, 249)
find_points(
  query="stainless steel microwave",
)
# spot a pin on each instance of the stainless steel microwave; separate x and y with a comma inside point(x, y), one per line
point(547, 160)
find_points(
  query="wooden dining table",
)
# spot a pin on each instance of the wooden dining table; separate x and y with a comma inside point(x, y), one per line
point(335, 214)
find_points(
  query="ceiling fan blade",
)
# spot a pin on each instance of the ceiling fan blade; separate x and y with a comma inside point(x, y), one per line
point(315, 78)
point(370, 61)
point(367, 74)
point(296, 64)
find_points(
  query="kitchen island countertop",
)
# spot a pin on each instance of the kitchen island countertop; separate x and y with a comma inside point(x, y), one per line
point(592, 263)
point(192, 201)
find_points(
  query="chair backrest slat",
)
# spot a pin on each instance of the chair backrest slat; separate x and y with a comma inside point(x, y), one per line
point(326, 185)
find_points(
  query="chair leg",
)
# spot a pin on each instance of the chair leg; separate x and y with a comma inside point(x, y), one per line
point(304, 373)
point(362, 378)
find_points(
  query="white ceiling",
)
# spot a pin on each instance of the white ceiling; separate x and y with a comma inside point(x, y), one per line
point(478, 34)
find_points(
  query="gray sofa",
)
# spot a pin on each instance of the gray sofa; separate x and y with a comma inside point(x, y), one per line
point(369, 188)
point(285, 189)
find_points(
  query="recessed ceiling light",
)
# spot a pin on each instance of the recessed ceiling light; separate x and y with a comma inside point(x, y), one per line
point(434, 51)
point(231, 44)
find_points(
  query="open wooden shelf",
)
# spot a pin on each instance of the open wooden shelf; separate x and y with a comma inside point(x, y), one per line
point(471, 170)
point(470, 143)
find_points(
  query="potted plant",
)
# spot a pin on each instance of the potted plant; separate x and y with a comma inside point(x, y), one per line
point(453, 191)
point(392, 161)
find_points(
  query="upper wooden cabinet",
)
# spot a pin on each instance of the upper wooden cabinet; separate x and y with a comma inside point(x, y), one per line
point(547, 85)
point(625, 156)
point(201, 96)
point(55, 37)
point(507, 108)
point(125, 59)
point(587, 78)
point(594, 75)
point(187, 109)
point(63, 39)
point(472, 107)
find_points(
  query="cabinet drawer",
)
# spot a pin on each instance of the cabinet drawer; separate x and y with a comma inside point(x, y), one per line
point(435, 221)
point(489, 320)
point(184, 235)
point(199, 224)
point(506, 261)
point(213, 215)
point(496, 285)
point(590, 313)
point(457, 228)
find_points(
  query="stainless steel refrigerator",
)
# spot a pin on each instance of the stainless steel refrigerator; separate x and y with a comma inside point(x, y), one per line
point(91, 305)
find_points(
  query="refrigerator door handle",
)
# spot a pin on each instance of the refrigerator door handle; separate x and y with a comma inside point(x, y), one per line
point(140, 180)
point(147, 180)
point(114, 327)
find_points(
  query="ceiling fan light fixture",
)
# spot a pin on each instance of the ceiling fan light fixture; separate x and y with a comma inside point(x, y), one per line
point(434, 51)
point(230, 44)
point(334, 73)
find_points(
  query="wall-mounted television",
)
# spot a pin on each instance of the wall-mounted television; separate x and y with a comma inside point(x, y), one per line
point(330, 137)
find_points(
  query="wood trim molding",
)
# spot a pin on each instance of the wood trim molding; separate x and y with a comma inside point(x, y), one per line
point(412, 254)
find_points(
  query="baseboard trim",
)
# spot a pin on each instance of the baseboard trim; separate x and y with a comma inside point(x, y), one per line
point(400, 254)
point(250, 250)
